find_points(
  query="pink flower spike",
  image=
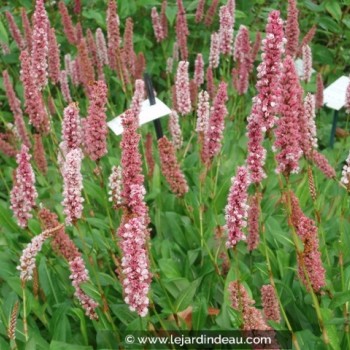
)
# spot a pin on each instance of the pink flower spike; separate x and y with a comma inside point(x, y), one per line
point(27, 260)
point(203, 112)
point(14, 30)
point(241, 301)
point(71, 129)
point(92, 48)
point(310, 115)
point(200, 11)
point(182, 30)
point(129, 46)
point(68, 26)
point(163, 18)
point(77, 6)
point(214, 56)
point(40, 44)
point(101, 47)
point(307, 38)
point(253, 221)
point(209, 17)
point(270, 303)
point(73, 185)
point(39, 154)
point(214, 134)
point(7, 149)
point(171, 168)
point(135, 264)
point(226, 30)
point(113, 34)
point(33, 99)
point(211, 88)
point(270, 70)
point(199, 70)
point(95, 131)
point(307, 63)
point(80, 275)
point(27, 28)
point(15, 106)
point(65, 86)
point(322, 163)
point(175, 129)
point(236, 210)
point(287, 133)
point(309, 260)
point(242, 54)
point(54, 57)
point(23, 194)
point(115, 186)
point(256, 47)
point(292, 29)
point(183, 96)
point(157, 26)
point(138, 98)
point(86, 69)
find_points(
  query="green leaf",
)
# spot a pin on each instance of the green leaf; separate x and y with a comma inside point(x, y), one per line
point(339, 299)
point(186, 296)
point(334, 9)
point(58, 345)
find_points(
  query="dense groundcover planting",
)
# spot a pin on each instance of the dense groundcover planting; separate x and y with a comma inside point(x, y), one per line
point(232, 214)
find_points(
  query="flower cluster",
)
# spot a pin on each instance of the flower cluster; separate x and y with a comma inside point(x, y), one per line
point(199, 70)
point(182, 30)
point(214, 55)
point(23, 194)
point(40, 44)
point(175, 129)
point(236, 210)
point(73, 185)
point(95, 128)
point(307, 63)
point(287, 133)
point(39, 154)
point(226, 30)
point(270, 303)
point(15, 106)
point(53, 57)
point(183, 97)
point(68, 26)
point(253, 221)
point(241, 301)
point(216, 125)
point(80, 275)
point(170, 167)
point(292, 29)
point(115, 186)
point(71, 128)
point(27, 260)
point(203, 112)
point(309, 260)
point(33, 99)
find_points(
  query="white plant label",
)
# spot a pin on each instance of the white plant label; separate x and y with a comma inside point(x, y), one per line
point(147, 114)
point(334, 94)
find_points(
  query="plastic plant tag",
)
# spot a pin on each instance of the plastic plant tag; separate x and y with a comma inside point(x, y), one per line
point(299, 67)
point(148, 113)
point(334, 94)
